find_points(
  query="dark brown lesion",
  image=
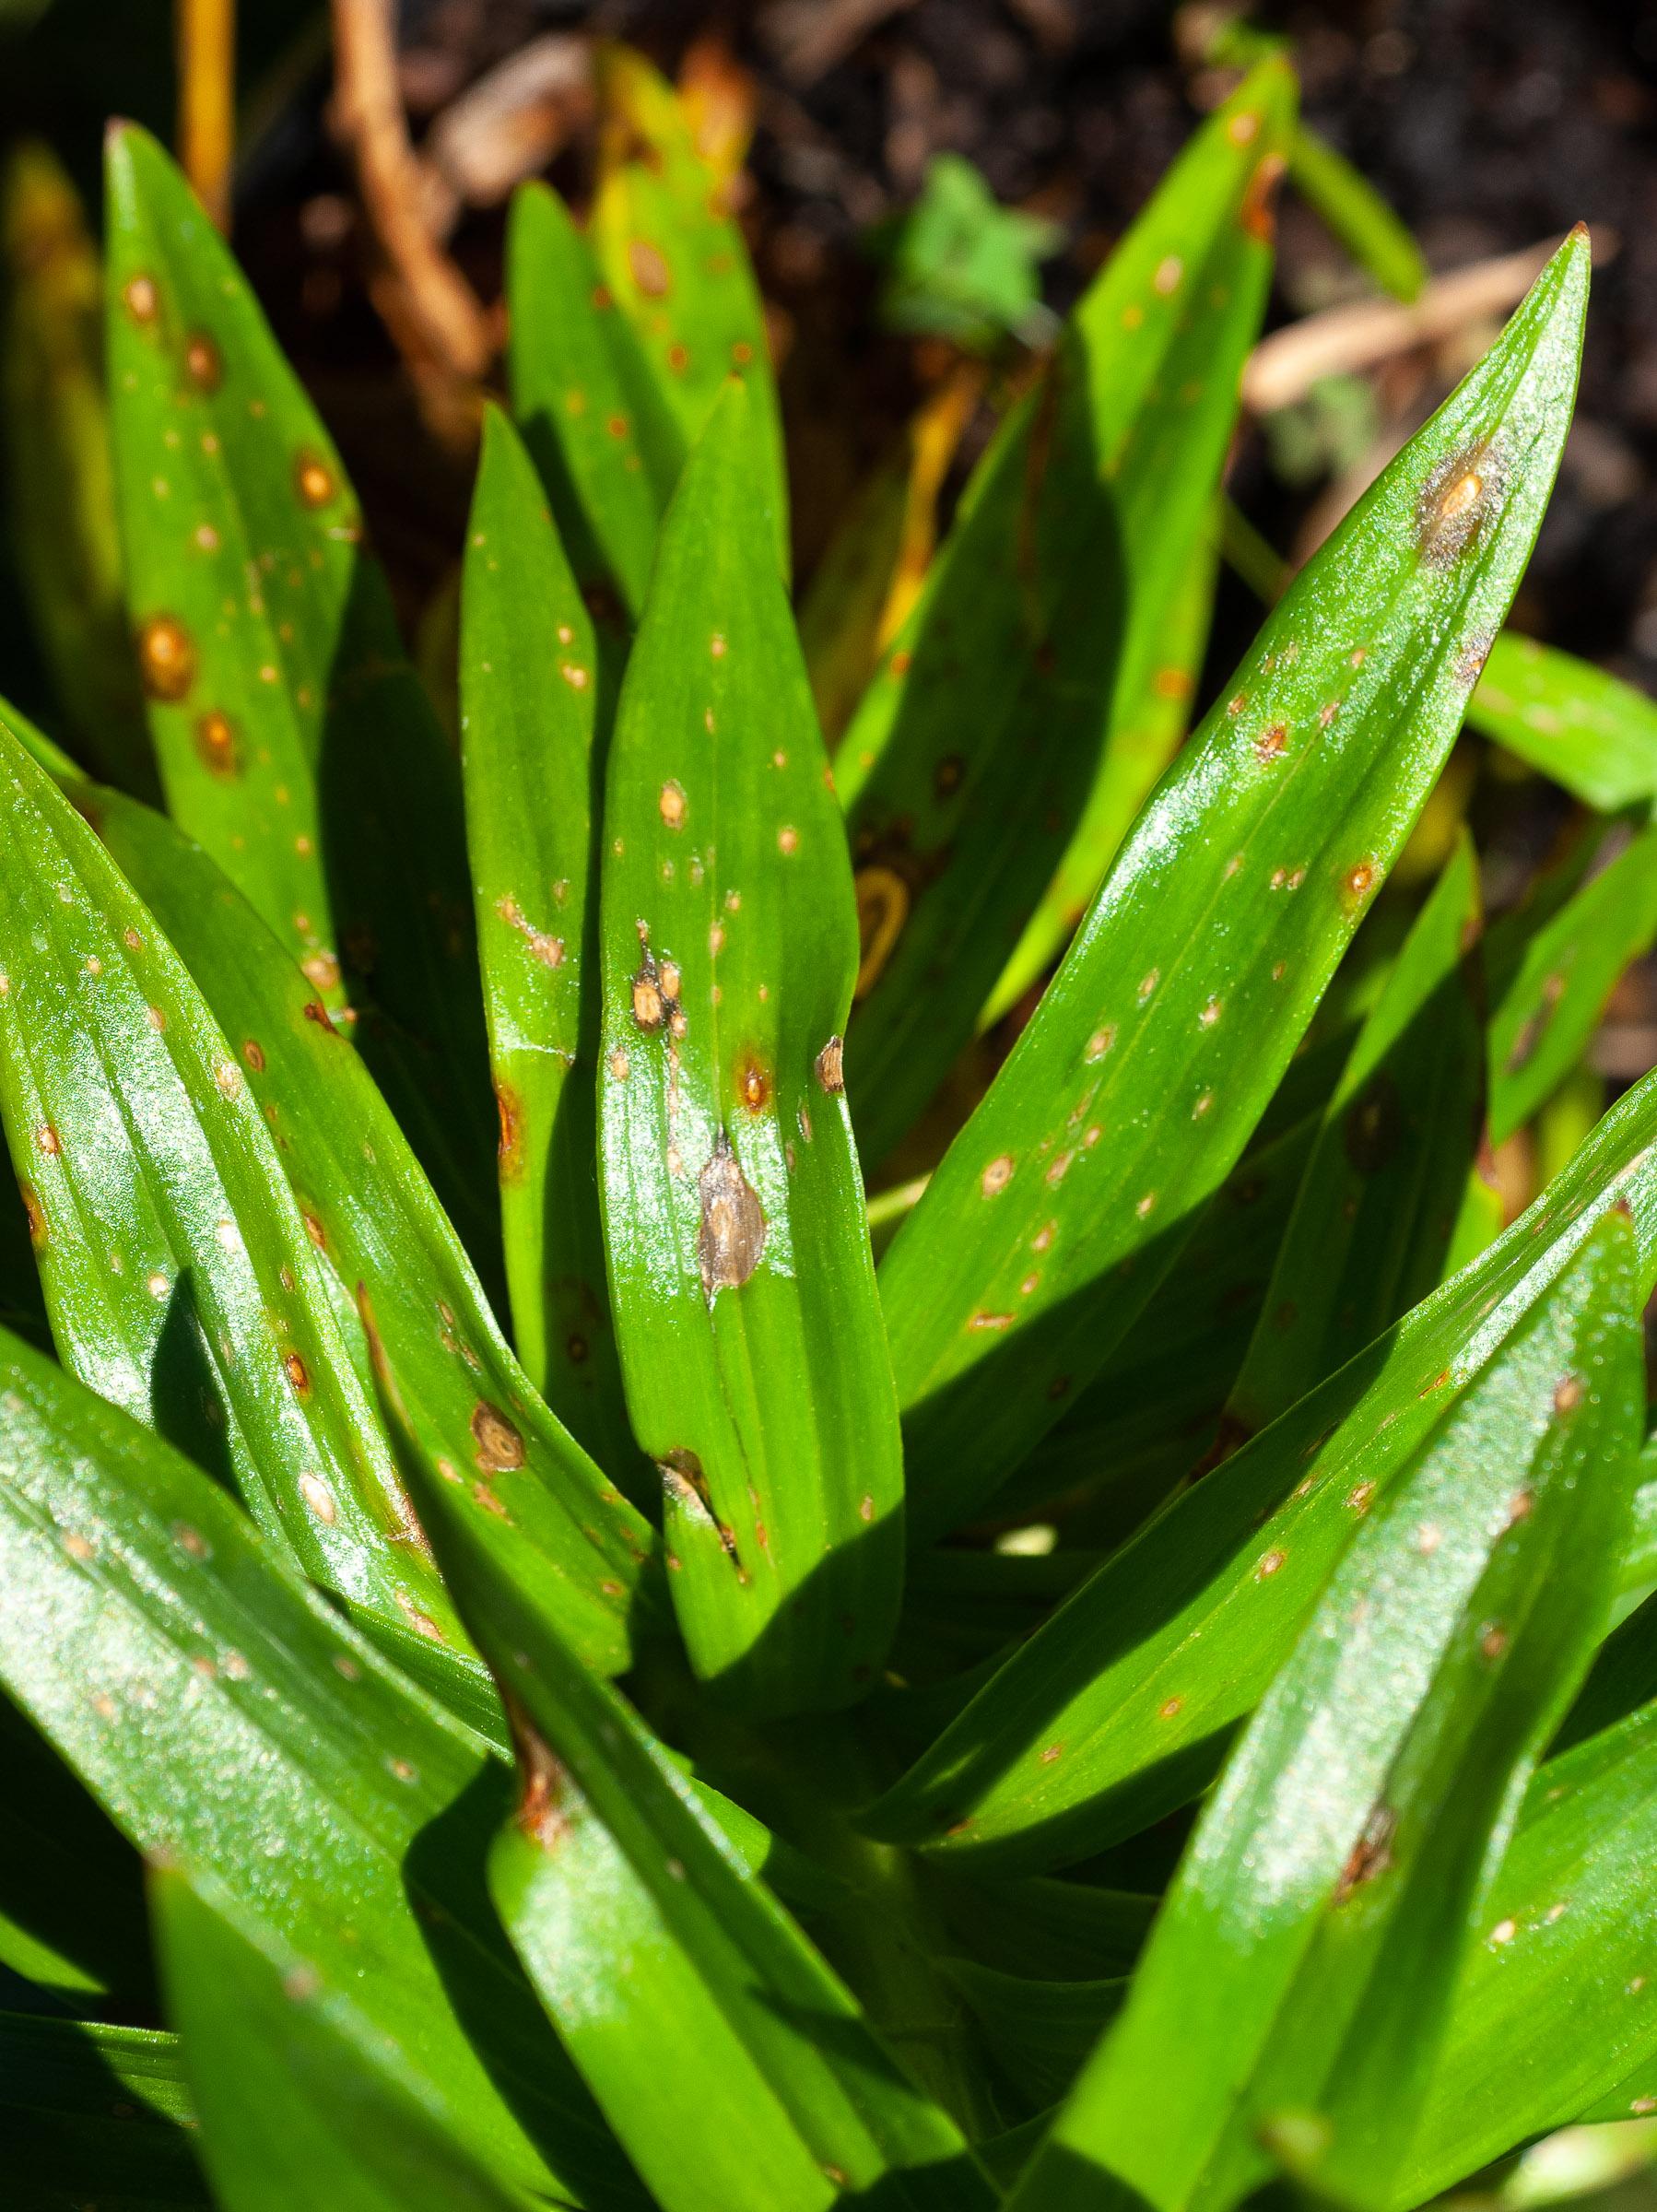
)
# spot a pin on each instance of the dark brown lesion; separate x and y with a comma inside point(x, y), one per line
point(498, 1444)
point(1370, 1855)
point(685, 1483)
point(546, 1788)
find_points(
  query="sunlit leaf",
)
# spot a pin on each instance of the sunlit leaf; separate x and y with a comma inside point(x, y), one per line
point(1303, 1961)
point(991, 728)
point(1205, 955)
point(233, 1726)
point(536, 729)
point(295, 740)
point(740, 1272)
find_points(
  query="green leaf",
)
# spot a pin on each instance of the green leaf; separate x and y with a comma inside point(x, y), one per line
point(1205, 955)
point(673, 258)
point(1556, 2010)
point(1302, 1968)
point(1052, 1929)
point(536, 732)
point(1593, 733)
point(961, 267)
point(1150, 713)
point(289, 2108)
point(740, 1272)
point(734, 2067)
point(295, 740)
point(70, 1889)
point(61, 505)
point(1038, 2032)
point(1142, 1675)
point(1566, 969)
point(1356, 215)
point(234, 1727)
point(608, 446)
point(999, 736)
point(180, 1279)
point(372, 1224)
point(95, 2117)
point(1375, 1214)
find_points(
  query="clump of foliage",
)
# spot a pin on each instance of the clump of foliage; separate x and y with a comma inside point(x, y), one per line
point(623, 1701)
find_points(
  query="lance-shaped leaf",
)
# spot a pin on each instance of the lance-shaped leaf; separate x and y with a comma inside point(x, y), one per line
point(1556, 2008)
point(1302, 1965)
point(96, 2116)
point(535, 730)
point(290, 2111)
point(990, 728)
point(233, 1726)
point(1375, 1214)
point(1055, 1930)
point(1564, 971)
point(295, 740)
point(1150, 712)
point(71, 1888)
point(1593, 733)
point(178, 1274)
point(372, 1220)
point(1134, 1086)
point(674, 259)
point(1356, 215)
point(1038, 2032)
point(1152, 1413)
point(1138, 1680)
point(608, 449)
point(734, 2067)
point(740, 1272)
point(61, 502)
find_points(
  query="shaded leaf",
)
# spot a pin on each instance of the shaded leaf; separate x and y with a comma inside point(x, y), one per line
point(1303, 1961)
point(740, 1272)
point(536, 729)
point(1038, 2032)
point(1378, 1207)
point(609, 448)
point(61, 505)
point(1567, 967)
point(233, 1726)
point(734, 2067)
point(1180, 1001)
point(1142, 1675)
point(1593, 733)
point(288, 2106)
point(94, 2116)
point(178, 1274)
point(295, 740)
point(989, 730)
point(673, 258)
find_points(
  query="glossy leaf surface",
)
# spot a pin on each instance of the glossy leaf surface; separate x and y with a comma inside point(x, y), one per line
point(1142, 1675)
point(1378, 1207)
point(1303, 1960)
point(233, 1726)
point(372, 1223)
point(1199, 966)
point(295, 740)
point(1589, 731)
point(992, 726)
point(673, 258)
point(180, 1279)
point(608, 446)
point(734, 2067)
point(535, 730)
point(1567, 969)
point(740, 1272)
point(286, 2101)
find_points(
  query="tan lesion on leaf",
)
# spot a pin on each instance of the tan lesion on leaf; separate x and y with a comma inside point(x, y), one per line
point(544, 1785)
point(498, 1442)
point(731, 1234)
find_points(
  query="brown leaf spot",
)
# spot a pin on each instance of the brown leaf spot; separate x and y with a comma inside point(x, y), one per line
point(499, 1447)
point(544, 1784)
point(49, 1141)
point(315, 1011)
point(754, 1084)
point(1370, 1855)
point(1271, 741)
point(320, 968)
point(672, 805)
point(204, 364)
point(1256, 216)
point(648, 267)
point(166, 658)
point(140, 298)
point(1568, 1394)
point(1356, 884)
point(997, 1175)
point(313, 478)
point(216, 744)
point(1456, 501)
point(731, 1238)
point(508, 1151)
point(36, 1213)
point(829, 1066)
point(253, 1052)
